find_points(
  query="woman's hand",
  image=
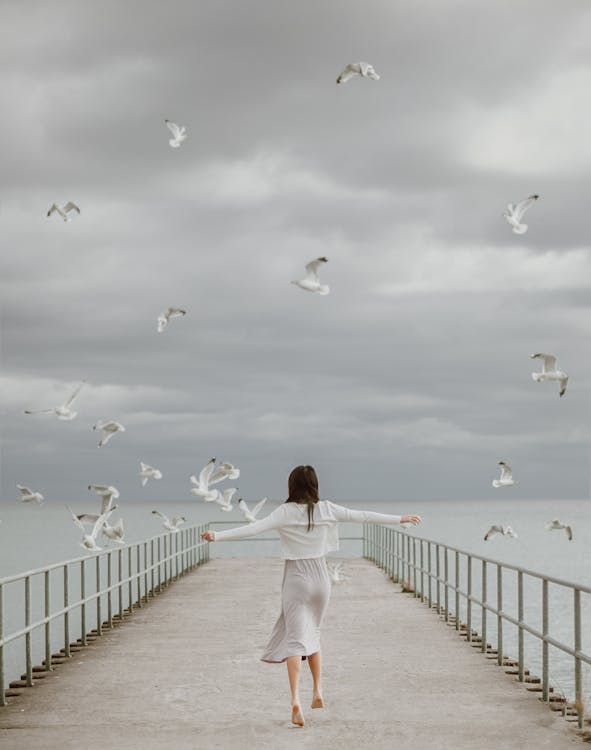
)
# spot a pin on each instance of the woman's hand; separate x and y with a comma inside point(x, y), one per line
point(209, 536)
point(415, 520)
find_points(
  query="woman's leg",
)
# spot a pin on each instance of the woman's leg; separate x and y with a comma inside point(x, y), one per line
point(315, 662)
point(294, 664)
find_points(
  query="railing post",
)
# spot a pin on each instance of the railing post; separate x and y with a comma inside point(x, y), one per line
point(545, 660)
point(146, 571)
point(469, 598)
point(138, 576)
point(129, 581)
point(151, 567)
point(457, 587)
point(99, 614)
point(67, 612)
point(446, 591)
point(120, 582)
point(83, 639)
point(578, 665)
point(414, 567)
point(438, 574)
point(2, 677)
point(47, 628)
point(176, 556)
point(429, 579)
point(28, 635)
point(520, 653)
point(109, 592)
point(499, 615)
point(483, 611)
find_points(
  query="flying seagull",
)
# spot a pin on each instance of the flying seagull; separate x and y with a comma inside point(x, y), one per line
point(251, 515)
point(28, 496)
point(89, 540)
point(311, 282)
point(92, 518)
point(166, 315)
point(115, 532)
point(515, 212)
point(148, 472)
point(63, 211)
point(63, 412)
point(504, 530)
point(172, 524)
point(224, 499)
point(557, 525)
point(363, 69)
point(506, 478)
point(107, 494)
point(178, 133)
point(550, 371)
point(201, 488)
point(109, 428)
point(225, 470)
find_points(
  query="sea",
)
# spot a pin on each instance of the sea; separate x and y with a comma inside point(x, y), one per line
point(33, 536)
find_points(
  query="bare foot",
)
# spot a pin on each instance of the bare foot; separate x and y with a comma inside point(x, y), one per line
point(317, 702)
point(297, 717)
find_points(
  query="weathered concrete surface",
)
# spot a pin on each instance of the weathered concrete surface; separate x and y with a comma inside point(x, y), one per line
point(184, 673)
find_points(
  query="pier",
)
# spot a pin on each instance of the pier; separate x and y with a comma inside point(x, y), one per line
point(182, 670)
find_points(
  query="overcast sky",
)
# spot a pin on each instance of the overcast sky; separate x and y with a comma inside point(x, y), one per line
point(412, 379)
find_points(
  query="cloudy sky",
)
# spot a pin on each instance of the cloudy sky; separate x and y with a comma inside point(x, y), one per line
point(412, 379)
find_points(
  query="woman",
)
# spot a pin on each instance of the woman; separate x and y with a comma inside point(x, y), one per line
point(308, 529)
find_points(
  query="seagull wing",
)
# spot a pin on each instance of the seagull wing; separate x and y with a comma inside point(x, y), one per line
point(351, 70)
point(506, 472)
point(177, 520)
point(76, 520)
point(227, 495)
point(549, 361)
point(523, 206)
point(174, 128)
point(258, 506)
point(71, 207)
point(98, 524)
point(569, 532)
point(24, 490)
point(74, 394)
point(205, 473)
point(160, 515)
point(312, 269)
point(242, 504)
point(493, 531)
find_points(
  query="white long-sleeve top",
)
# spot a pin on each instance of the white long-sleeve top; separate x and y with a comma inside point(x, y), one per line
point(291, 521)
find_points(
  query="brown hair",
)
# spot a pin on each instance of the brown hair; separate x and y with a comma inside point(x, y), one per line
point(303, 488)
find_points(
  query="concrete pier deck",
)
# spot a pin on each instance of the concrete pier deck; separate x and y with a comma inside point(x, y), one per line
point(183, 672)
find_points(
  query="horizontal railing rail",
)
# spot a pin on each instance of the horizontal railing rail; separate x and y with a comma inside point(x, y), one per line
point(423, 565)
point(142, 569)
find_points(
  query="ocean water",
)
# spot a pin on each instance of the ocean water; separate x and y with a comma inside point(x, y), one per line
point(34, 536)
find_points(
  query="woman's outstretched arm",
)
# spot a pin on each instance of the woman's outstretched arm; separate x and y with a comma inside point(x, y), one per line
point(273, 521)
point(348, 515)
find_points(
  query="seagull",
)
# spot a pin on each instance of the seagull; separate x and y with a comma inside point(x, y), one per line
point(89, 540)
point(311, 283)
point(92, 518)
point(109, 427)
point(107, 493)
point(63, 211)
point(363, 69)
point(166, 315)
point(178, 133)
point(63, 412)
point(251, 515)
point(504, 530)
point(506, 478)
point(224, 471)
point(514, 214)
point(335, 572)
point(148, 472)
point(116, 532)
point(170, 524)
point(557, 525)
point(550, 371)
point(224, 499)
point(28, 496)
point(201, 488)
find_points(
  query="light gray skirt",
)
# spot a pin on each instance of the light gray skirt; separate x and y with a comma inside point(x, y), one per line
point(304, 598)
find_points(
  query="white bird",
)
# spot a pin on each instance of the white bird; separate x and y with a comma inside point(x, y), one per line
point(251, 515)
point(335, 572)
point(504, 530)
point(557, 525)
point(63, 211)
point(178, 133)
point(224, 471)
point(92, 518)
point(166, 315)
point(515, 212)
point(172, 524)
point(115, 532)
point(506, 478)
point(363, 69)
point(107, 493)
point(89, 540)
point(63, 412)
point(148, 472)
point(550, 371)
point(28, 496)
point(311, 282)
point(224, 499)
point(201, 488)
point(109, 428)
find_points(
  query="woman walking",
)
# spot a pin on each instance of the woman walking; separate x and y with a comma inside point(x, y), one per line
point(308, 529)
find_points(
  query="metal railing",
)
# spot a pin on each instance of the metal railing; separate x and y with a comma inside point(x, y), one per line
point(124, 578)
point(423, 567)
